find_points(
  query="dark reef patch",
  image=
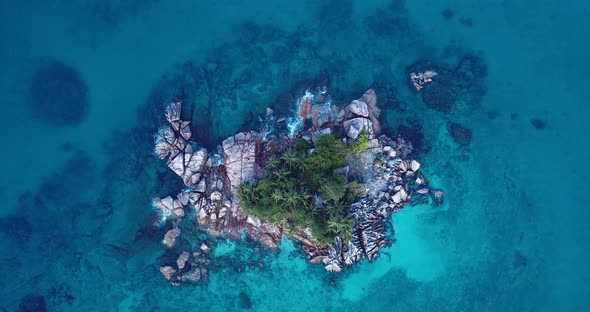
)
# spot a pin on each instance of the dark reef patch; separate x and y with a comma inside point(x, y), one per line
point(76, 175)
point(447, 14)
point(32, 303)
point(113, 13)
point(388, 96)
point(461, 135)
point(335, 15)
point(245, 302)
point(466, 21)
point(519, 260)
point(493, 114)
point(412, 131)
point(389, 21)
point(539, 124)
point(58, 95)
point(16, 228)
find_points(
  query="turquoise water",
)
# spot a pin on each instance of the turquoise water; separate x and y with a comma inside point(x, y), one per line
point(511, 235)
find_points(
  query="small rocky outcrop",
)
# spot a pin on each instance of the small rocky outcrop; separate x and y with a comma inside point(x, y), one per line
point(189, 268)
point(392, 179)
point(442, 87)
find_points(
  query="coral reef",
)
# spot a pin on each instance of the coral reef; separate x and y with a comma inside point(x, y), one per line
point(308, 154)
point(58, 95)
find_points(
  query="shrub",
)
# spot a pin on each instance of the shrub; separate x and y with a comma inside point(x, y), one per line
point(302, 145)
point(360, 145)
point(329, 153)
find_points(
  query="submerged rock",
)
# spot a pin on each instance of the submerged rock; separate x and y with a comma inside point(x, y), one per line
point(167, 271)
point(538, 124)
point(58, 95)
point(182, 259)
point(245, 302)
point(461, 135)
point(170, 237)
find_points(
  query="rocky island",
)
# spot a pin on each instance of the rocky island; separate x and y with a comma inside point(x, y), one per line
point(325, 177)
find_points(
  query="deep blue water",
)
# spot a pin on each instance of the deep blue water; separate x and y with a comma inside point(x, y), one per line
point(77, 181)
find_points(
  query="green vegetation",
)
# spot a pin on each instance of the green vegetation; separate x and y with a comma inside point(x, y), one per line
point(361, 144)
point(301, 190)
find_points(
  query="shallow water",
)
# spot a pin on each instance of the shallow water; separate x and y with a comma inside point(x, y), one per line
point(511, 234)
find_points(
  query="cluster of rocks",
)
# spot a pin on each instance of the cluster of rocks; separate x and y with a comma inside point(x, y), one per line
point(420, 79)
point(210, 187)
point(212, 180)
point(190, 267)
point(394, 181)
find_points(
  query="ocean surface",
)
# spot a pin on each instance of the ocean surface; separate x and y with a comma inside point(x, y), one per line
point(76, 183)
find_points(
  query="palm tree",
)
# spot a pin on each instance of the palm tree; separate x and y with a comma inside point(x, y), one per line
point(280, 175)
point(335, 209)
point(272, 163)
point(294, 160)
point(277, 195)
point(341, 226)
point(291, 199)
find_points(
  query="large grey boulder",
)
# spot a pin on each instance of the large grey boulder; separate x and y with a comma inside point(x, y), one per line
point(240, 159)
point(359, 108)
point(355, 126)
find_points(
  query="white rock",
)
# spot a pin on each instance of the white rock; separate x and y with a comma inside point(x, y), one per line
point(176, 165)
point(201, 187)
point(396, 198)
point(254, 221)
point(205, 248)
point(359, 108)
point(222, 212)
point(414, 165)
point(403, 166)
point(185, 130)
point(333, 267)
point(202, 213)
point(183, 198)
point(179, 212)
point(193, 198)
point(182, 259)
point(216, 196)
point(403, 194)
point(173, 111)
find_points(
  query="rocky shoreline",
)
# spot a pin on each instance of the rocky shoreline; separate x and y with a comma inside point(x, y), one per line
point(392, 179)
